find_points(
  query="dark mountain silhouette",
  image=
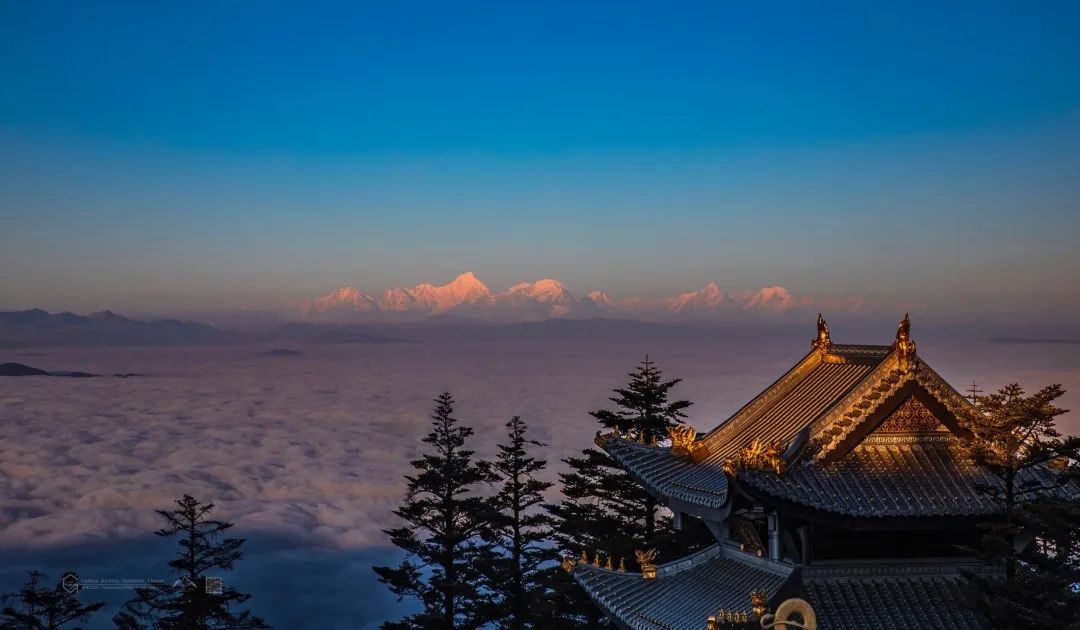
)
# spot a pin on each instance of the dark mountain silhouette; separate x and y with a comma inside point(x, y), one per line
point(18, 369)
point(38, 328)
point(282, 352)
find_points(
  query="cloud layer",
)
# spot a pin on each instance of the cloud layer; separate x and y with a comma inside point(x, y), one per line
point(306, 453)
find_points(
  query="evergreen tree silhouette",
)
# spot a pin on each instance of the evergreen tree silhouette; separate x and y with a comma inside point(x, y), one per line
point(604, 509)
point(444, 518)
point(38, 607)
point(191, 603)
point(1035, 538)
point(520, 530)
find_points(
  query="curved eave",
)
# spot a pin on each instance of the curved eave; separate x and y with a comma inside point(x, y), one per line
point(685, 592)
point(697, 488)
point(917, 480)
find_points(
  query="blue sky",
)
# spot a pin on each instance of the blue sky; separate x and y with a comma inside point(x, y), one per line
point(158, 157)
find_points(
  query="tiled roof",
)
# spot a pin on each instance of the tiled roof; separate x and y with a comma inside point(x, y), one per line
point(665, 475)
point(810, 389)
point(900, 598)
point(685, 592)
point(904, 476)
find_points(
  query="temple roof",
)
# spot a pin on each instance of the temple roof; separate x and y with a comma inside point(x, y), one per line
point(928, 476)
point(664, 474)
point(815, 385)
point(685, 592)
point(889, 598)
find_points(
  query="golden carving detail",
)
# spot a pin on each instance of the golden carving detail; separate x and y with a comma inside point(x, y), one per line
point(822, 342)
point(759, 602)
point(568, 564)
point(760, 455)
point(684, 442)
point(647, 561)
point(911, 417)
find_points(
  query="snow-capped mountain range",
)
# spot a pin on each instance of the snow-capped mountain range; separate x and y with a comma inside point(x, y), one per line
point(467, 296)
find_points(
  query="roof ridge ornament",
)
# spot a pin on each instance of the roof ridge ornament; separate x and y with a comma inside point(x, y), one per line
point(904, 344)
point(823, 342)
point(647, 561)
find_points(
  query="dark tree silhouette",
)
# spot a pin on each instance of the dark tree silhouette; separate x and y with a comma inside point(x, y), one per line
point(39, 607)
point(444, 518)
point(197, 599)
point(1036, 539)
point(520, 531)
point(604, 509)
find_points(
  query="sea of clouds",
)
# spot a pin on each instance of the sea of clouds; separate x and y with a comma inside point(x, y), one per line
point(306, 453)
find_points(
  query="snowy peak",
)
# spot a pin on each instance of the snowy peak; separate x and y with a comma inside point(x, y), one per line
point(465, 288)
point(705, 300)
point(467, 296)
point(600, 300)
point(344, 299)
point(772, 300)
point(547, 290)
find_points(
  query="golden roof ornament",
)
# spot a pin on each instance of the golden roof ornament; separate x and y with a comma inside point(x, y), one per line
point(584, 557)
point(904, 344)
point(759, 602)
point(568, 564)
point(683, 440)
point(759, 455)
point(608, 565)
point(596, 559)
point(647, 561)
point(822, 342)
point(622, 565)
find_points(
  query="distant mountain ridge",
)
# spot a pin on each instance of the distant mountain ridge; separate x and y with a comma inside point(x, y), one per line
point(38, 328)
point(468, 297)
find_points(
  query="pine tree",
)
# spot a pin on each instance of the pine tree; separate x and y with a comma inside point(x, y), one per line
point(46, 608)
point(197, 599)
point(444, 518)
point(604, 509)
point(520, 531)
point(1036, 539)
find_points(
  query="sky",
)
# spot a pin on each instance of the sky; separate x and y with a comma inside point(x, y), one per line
point(255, 154)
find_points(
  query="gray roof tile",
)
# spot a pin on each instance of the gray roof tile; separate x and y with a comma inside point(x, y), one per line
point(685, 592)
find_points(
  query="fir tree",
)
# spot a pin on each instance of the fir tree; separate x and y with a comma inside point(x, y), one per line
point(1036, 539)
point(198, 599)
point(444, 518)
point(39, 607)
point(519, 531)
point(604, 509)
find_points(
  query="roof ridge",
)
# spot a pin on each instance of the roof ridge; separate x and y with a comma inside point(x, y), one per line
point(945, 569)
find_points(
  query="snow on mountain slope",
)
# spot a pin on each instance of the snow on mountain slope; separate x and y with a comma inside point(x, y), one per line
point(468, 296)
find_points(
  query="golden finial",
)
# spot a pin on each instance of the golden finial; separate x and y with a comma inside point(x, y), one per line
point(584, 557)
point(759, 602)
point(822, 342)
point(596, 559)
point(904, 344)
point(622, 565)
point(608, 565)
point(647, 560)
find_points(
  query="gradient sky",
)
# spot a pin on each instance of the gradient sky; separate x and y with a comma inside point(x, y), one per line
point(257, 154)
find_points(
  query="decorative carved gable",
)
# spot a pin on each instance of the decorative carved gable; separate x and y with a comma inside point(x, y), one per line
point(912, 416)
